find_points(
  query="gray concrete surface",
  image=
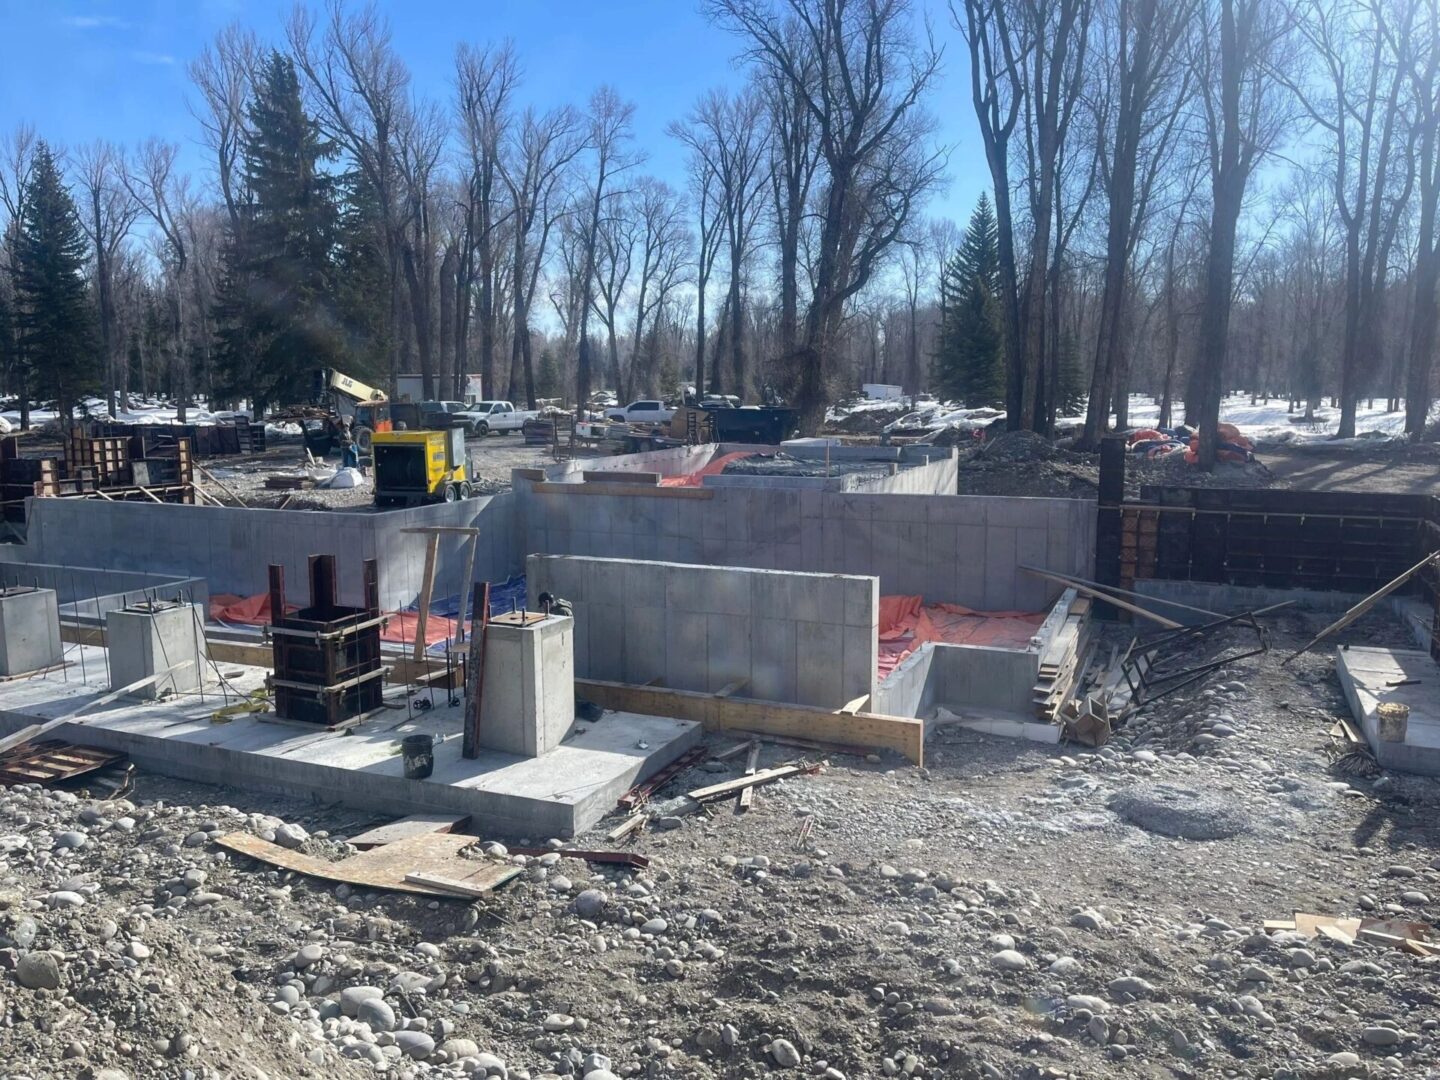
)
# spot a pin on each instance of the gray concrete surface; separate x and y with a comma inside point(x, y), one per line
point(528, 704)
point(231, 547)
point(87, 592)
point(29, 630)
point(557, 794)
point(1366, 675)
point(961, 549)
point(810, 639)
point(149, 638)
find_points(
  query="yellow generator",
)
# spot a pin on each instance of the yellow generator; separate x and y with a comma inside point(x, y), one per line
point(420, 466)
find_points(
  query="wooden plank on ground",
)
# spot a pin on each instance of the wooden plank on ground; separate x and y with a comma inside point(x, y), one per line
point(384, 867)
point(752, 766)
point(625, 828)
point(903, 735)
point(730, 787)
point(444, 884)
point(406, 827)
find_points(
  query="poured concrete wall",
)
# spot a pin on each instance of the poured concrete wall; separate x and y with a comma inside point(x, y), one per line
point(810, 639)
point(88, 592)
point(908, 690)
point(961, 549)
point(232, 547)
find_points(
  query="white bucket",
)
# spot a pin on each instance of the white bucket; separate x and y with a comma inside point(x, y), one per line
point(1393, 721)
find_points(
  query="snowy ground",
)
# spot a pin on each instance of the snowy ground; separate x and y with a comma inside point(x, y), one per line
point(1269, 423)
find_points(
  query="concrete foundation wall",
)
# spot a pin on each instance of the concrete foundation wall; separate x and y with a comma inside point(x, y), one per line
point(960, 676)
point(908, 690)
point(979, 677)
point(810, 639)
point(231, 548)
point(961, 549)
point(87, 592)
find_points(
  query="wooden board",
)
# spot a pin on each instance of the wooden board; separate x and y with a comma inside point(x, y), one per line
point(406, 827)
point(903, 735)
point(730, 787)
point(384, 867)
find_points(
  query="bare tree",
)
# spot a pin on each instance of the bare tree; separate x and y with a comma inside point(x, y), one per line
point(861, 73)
point(1237, 52)
point(108, 216)
point(223, 74)
point(664, 245)
point(1358, 107)
point(610, 126)
point(730, 134)
point(710, 219)
point(359, 91)
point(538, 157)
point(163, 195)
point(794, 157)
point(996, 92)
point(421, 140)
point(1424, 77)
point(1151, 82)
point(614, 259)
point(485, 85)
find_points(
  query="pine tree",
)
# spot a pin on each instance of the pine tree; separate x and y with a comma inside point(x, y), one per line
point(275, 310)
point(968, 362)
point(548, 379)
point(54, 316)
point(1073, 388)
point(362, 299)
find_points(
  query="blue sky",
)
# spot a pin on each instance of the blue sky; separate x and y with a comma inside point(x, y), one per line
point(86, 69)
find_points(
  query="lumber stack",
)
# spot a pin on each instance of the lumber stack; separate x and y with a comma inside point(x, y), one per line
point(1063, 661)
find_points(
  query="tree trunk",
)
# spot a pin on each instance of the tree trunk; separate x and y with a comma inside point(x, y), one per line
point(420, 313)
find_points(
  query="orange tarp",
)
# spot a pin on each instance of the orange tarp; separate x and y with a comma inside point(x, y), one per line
point(255, 611)
point(715, 467)
point(907, 622)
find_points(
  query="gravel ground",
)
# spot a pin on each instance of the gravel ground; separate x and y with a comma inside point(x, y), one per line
point(1013, 910)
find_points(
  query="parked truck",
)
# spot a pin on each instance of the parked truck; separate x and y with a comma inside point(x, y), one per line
point(645, 411)
point(484, 417)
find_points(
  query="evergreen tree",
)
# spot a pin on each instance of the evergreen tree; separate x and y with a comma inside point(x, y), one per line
point(362, 299)
point(548, 379)
point(54, 317)
point(968, 363)
point(275, 310)
point(1073, 389)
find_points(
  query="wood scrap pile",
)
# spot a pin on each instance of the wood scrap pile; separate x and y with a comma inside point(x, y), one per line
point(1065, 659)
point(1403, 934)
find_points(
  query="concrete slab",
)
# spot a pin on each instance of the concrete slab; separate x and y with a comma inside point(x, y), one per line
point(1366, 674)
point(560, 793)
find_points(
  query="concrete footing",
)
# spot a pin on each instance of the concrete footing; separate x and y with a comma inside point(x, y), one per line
point(560, 793)
point(29, 630)
point(1370, 678)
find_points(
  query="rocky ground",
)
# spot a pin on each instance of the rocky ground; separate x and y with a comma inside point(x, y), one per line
point(1012, 910)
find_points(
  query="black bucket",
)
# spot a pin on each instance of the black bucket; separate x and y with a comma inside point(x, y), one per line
point(418, 754)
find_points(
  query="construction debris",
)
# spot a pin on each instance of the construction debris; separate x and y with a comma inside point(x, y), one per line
point(730, 787)
point(389, 866)
point(51, 761)
point(1403, 934)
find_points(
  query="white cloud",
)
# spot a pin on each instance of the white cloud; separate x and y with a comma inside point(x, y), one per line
point(95, 22)
point(162, 59)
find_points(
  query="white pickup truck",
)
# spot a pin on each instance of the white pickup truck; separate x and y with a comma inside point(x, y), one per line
point(641, 412)
point(483, 417)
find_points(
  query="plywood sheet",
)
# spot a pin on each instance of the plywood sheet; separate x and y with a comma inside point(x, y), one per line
point(384, 867)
